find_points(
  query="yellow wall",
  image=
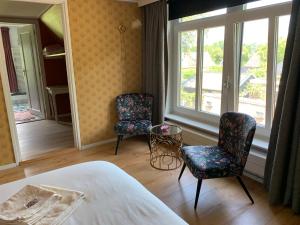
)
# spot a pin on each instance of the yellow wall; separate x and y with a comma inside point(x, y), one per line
point(100, 72)
point(6, 149)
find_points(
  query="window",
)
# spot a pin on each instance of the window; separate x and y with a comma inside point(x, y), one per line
point(253, 69)
point(204, 15)
point(283, 28)
point(264, 3)
point(230, 60)
point(212, 70)
point(188, 61)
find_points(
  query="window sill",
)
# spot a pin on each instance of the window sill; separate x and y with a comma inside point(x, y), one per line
point(258, 144)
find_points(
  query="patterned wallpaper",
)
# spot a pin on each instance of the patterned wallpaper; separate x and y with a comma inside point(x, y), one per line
point(101, 73)
point(100, 69)
point(6, 149)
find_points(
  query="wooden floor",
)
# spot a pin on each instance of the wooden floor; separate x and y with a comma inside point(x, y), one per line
point(222, 201)
point(43, 136)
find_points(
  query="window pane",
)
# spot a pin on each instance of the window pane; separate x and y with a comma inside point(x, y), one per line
point(253, 70)
point(283, 29)
point(204, 15)
point(188, 62)
point(212, 70)
point(264, 3)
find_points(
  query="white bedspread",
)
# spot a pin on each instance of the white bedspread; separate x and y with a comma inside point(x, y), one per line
point(113, 197)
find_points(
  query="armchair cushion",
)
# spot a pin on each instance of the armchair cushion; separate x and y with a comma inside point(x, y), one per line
point(207, 162)
point(134, 127)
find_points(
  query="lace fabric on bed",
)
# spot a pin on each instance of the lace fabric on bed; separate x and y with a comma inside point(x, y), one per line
point(39, 205)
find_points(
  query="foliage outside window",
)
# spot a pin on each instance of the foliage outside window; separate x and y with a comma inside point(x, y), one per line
point(207, 83)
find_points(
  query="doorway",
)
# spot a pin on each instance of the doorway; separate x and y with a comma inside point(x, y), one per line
point(38, 82)
point(23, 72)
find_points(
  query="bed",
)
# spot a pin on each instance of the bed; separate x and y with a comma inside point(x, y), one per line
point(112, 196)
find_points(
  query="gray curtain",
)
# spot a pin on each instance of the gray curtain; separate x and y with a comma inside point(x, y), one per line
point(282, 172)
point(155, 56)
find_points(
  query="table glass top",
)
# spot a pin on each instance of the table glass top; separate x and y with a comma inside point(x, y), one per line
point(165, 130)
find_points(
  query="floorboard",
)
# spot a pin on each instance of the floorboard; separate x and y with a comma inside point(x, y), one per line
point(221, 201)
point(39, 137)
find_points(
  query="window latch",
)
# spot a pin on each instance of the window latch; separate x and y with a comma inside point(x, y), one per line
point(227, 83)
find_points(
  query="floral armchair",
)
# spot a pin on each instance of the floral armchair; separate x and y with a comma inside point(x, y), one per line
point(134, 114)
point(226, 159)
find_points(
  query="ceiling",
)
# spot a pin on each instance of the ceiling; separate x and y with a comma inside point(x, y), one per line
point(139, 2)
point(10, 8)
point(145, 2)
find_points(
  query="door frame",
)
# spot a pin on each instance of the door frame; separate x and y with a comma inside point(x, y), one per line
point(70, 75)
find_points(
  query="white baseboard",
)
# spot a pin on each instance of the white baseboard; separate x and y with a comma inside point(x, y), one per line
point(256, 164)
point(253, 176)
point(99, 143)
point(8, 166)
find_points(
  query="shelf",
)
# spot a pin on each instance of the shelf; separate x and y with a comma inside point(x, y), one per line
point(55, 56)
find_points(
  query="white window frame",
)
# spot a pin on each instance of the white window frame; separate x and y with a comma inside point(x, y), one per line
point(234, 16)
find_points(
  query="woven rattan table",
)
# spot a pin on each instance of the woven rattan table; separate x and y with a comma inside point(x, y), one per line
point(166, 142)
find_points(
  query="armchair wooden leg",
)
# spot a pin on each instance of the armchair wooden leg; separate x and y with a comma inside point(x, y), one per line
point(198, 192)
point(120, 138)
point(245, 189)
point(181, 172)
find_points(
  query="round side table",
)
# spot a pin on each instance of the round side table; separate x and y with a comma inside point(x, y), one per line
point(166, 142)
